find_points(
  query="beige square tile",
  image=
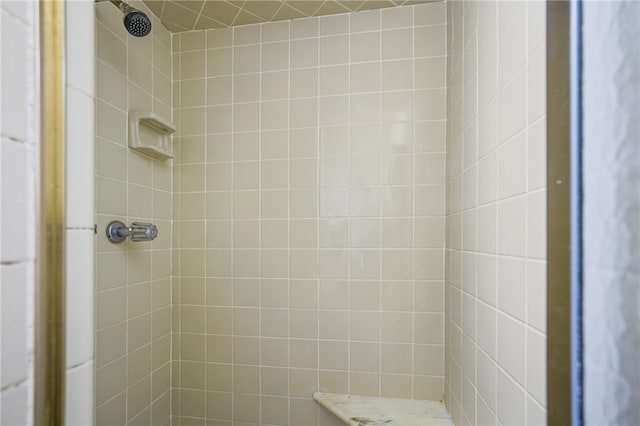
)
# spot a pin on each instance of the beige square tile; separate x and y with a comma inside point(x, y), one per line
point(334, 294)
point(396, 327)
point(396, 386)
point(397, 296)
point(333, 325)
point(303, 143)
point(333, 355)
point(304, 354)
point(249, 34)
point(306, 27)
point(275, 410)
point(219, 320)
point(395, 358)
point(304, 203)
point(275, 352)
point(364, 326)
point(303, 325)
point(512, 286)
point(365, 21)
point(246, 59)
point(302, 382)
point(364, 295)
point(303, 293)
point(112, 380)
point(334, 50)
point(334, 382)
point(275, 56)
point(304, 83)
point(430, 41)
point(219, 62)
point(275, 85)
point(221, 404)
point(428, 387)
point(304, 53)
point(364, 264)
point(365, 47)
point(397, 75)
point(246, 408)
point(397, 43)
point(274, 322)
point(218, 376)
point(365, 233)
point(512, 397)
point(303, 264)
point(334, 110)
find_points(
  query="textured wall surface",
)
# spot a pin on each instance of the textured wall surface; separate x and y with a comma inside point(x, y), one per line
point(611, 84)
point(79, 132)
point(133, 295)
point(308, 215)
point(18, 180)
point(495, 258)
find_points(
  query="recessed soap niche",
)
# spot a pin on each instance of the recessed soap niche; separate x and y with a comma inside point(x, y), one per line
point(150, 134)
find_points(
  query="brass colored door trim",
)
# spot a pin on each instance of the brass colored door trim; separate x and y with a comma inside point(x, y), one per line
point(560, 341)
point(49, 372)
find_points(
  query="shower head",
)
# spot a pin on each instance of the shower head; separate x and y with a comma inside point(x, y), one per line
point(137, 23)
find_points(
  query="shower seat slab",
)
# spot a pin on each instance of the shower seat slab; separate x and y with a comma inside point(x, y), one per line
point(355, 410)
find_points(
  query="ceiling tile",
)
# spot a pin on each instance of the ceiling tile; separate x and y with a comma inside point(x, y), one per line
point(155, 6)
point(205, 23)
point(287, 12)
point(351, 4)
point(174, 28)
point(220, 11)
point(331, 8)
point(179, 15)
point(194, 5)
point(265, 9)
point(375, 4)
point(185, 15)
point(246, 18)
point(308, 7)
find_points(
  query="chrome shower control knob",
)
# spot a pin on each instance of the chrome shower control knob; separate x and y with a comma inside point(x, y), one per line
point(117, 231)
point(142, 232)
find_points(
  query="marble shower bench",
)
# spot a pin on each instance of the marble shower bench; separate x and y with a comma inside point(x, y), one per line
point(357, 410)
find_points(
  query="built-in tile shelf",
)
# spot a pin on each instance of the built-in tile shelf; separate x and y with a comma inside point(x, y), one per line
point(357, 410)
point(150, 134)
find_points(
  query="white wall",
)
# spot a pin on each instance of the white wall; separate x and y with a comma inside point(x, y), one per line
point(132, 290)
point(495, 264)
point(308, 214)
point(79, 214)
point(19, 159)
point(611, 84)
point(18, 179)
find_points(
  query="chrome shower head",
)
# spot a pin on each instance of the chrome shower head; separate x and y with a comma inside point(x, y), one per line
point(137, 23)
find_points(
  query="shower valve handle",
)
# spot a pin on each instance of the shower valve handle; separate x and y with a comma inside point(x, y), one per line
point(117, 231)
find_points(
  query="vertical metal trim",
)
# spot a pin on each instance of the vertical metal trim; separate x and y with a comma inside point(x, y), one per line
point(50, 292)
point(576, 212)
point(559, 214)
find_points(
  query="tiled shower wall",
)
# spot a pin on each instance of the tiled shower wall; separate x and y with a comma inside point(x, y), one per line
point(496, 178)
point(309, 205)
point(18, 179)
point(133, 296)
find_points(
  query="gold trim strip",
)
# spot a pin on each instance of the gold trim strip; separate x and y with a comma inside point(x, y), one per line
point(558, 215)
point(50, 292)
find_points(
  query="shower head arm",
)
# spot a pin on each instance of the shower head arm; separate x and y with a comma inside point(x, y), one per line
point(124, 8)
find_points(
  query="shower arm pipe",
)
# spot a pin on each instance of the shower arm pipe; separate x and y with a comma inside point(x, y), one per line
point(124, 8)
